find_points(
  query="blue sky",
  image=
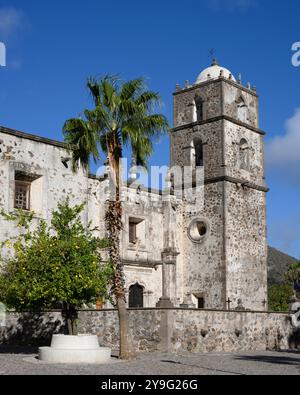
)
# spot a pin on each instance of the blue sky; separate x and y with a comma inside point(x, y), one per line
point(53, 46)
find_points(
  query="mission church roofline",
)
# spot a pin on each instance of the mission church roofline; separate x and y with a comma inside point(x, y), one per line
point(38, 139)
point(216, 73)
point(32, 137)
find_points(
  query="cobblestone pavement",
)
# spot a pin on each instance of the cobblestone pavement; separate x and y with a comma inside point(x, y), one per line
point(261, 363)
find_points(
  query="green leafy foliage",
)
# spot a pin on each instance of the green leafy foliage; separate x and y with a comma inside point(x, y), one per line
point(293, 276)
point(280, 296)
point(51, 264)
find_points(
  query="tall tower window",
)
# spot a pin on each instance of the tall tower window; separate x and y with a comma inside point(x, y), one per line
point(242, 109)
point(197, 153)
point(198, 109)
point(244, 155)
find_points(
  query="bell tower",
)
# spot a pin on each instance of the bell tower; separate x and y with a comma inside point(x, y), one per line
point(224, 240)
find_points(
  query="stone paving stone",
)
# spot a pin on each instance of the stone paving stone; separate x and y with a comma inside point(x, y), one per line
point(260, 363)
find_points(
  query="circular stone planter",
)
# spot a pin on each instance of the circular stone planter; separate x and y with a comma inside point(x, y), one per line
point(75, 349)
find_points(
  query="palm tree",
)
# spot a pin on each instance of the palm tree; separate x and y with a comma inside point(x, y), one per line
point(123, 115)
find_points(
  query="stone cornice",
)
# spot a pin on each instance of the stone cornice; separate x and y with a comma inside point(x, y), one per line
point(142, 188)
point(95, 177)
point(42, 140)
point(32, 137)
point(217, 119)
point(142, 263)
point(213, 81)
point(236, 181)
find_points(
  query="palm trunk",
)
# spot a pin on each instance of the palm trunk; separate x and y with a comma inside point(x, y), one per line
point(125, 349)
point(114, 226)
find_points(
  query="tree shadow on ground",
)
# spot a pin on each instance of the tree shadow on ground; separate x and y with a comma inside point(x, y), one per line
point(9, 349)
point(294, 340)
point(273, 359)
point(30, 332)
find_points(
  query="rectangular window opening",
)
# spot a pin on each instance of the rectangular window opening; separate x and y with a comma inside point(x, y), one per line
point(201, 303)
point(132, 232)
point(22, 195)
point(25, 193)
point(136, 231)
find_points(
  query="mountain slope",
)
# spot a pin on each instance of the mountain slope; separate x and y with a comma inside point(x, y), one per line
point(278, 264)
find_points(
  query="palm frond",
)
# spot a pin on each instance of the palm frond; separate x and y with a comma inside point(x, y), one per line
point(123, 114)
point(131, 89)
point(142, 148)
point(82, 141)
point(155, 125)
point(149, 100)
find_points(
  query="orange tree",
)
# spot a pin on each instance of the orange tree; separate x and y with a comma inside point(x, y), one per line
point(51, 265)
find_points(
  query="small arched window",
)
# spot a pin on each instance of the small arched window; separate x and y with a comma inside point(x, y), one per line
point(242, 109)
point(197, 159)
point(244, 154)
point(198, 109)
point(136, 296)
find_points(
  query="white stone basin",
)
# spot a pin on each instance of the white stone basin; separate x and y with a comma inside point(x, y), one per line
point(80, 342)
point(75, 349)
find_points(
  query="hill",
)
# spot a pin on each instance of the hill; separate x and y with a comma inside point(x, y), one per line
point(278, 264)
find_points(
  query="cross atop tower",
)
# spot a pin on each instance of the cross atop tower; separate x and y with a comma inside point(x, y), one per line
point(215, 62)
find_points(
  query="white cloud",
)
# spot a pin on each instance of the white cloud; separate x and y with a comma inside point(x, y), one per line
point(231, 5)
point(283, 165)
point(11, 20)
point(284, 151)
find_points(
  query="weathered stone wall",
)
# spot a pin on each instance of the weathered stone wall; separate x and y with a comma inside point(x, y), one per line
point(230, 263)
point(174, 331)
point(254, 171)
point(246, 247)
point(210, 93)
point(204, 270)
point(207, 331)
point(233, 94)
point(143, 259)
point(181, 330)
point(245, 218)
point(211, 136)
point(203, 263)
point(54, 181)
point(30, 329)
point(145, 328)
point(220, 98)
point(44, 159)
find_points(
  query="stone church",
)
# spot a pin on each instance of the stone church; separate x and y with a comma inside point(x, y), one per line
point(175, 252)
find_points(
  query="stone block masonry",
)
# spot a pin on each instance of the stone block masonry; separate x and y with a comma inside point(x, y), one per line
point(210, 251)
point(165, 330)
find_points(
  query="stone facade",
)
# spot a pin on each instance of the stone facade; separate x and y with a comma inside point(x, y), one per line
point(173, 331)
point(229, 266)
point(226, 265)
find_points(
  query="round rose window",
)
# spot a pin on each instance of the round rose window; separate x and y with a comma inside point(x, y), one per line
point(198, 230)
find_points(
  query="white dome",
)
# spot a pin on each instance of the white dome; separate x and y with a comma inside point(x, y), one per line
point(214, 72)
